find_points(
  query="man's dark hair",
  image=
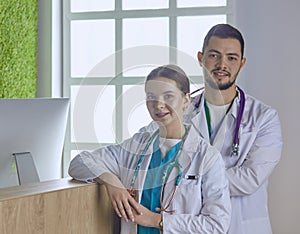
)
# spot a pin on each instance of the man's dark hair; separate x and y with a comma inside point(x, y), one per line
point(224, 31)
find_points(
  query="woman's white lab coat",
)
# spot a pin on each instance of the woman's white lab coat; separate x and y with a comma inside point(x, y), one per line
point(259, 152)
point(202, 205)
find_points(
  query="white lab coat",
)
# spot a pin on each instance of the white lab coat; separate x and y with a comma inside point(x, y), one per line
point(201, 205)
point(259, 152)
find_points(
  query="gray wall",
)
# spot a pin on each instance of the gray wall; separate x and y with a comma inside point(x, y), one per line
point(272, 74)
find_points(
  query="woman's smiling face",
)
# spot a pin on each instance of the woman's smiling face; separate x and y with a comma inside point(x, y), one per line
point(165, 102)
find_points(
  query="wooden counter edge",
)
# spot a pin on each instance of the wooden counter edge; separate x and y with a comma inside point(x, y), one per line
point(39, 188)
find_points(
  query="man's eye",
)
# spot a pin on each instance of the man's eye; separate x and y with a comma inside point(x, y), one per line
point(212, 56)
point(232, 58)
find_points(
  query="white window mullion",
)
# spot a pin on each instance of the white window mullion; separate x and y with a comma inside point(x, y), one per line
point(170, 36)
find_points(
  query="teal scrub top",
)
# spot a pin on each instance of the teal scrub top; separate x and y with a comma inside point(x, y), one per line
point(153, 182)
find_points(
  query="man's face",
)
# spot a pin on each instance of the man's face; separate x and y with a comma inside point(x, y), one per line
point(221, 61)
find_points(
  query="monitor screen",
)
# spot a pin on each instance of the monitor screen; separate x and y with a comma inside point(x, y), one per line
point(34, 127)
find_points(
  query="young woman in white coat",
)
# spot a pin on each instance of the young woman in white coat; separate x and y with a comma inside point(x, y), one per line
point(169, 180)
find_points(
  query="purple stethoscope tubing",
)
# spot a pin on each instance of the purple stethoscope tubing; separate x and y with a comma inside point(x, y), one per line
point(236, 140)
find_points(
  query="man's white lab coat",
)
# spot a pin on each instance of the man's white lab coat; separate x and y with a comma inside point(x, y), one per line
point(259, 152)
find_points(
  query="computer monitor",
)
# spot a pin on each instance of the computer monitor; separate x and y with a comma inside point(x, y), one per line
point(33, 131)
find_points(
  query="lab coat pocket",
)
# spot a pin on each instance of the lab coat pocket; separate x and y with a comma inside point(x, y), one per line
point(246, 141)
point(188, 196)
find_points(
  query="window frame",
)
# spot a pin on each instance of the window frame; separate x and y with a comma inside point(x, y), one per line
point(119, 81)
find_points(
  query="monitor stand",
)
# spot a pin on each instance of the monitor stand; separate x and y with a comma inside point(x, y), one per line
point(26, 169)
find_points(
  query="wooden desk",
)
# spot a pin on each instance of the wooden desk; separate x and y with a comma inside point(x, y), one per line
point(61, 206)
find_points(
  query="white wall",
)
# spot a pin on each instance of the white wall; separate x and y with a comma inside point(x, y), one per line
point(272, 73)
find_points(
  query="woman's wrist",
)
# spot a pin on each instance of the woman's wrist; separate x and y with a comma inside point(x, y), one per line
point(110, 179)
point(156, 221)
point(160, 224)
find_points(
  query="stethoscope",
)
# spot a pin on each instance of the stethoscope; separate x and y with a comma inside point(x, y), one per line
point(236, 140)
point(167, 171)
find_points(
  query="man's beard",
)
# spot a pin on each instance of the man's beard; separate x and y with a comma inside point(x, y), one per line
point(216, 86)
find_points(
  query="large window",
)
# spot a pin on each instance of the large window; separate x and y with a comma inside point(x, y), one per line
point(108, 49)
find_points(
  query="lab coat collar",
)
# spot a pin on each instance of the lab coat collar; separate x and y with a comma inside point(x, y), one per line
point(235, 109)
point(195, 111)
point(199, 121)
point(191, 145)
point(236, 105)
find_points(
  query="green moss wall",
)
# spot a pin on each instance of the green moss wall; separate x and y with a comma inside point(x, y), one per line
point(18, 48)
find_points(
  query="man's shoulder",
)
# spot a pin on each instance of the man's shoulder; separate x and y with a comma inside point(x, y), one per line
point(195, 99)
point(260, 113)
point(192, 109)
point(255, 105)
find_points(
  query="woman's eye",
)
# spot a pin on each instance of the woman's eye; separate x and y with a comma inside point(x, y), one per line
point(168, 96)
point(150, 98)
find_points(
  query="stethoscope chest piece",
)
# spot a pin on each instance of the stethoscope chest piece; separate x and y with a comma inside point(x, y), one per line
point(235, 150)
